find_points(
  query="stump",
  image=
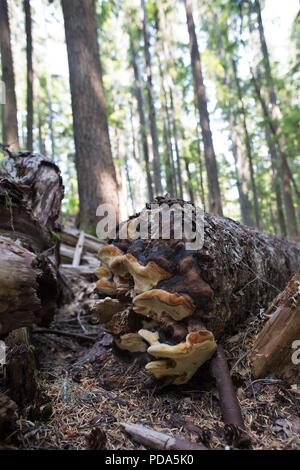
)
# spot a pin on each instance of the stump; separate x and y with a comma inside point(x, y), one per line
point(31, 191)
point(30, 195)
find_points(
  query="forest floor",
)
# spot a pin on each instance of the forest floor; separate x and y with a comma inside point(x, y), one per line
point(86, 391)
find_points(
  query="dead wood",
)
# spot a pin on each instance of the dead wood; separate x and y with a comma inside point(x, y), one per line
point(69, 334)
point(277, 343)
point(158, 440)
point(231, 410)
point(8, 415)
point(20, 368)
point(30, 195)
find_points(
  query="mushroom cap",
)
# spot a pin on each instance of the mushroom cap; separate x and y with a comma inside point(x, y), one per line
point(158, 302)
point(145, 277)
point(132, 342)
point(181, 360)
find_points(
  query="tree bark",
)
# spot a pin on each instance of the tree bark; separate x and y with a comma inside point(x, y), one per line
point(10, 123)
point(30, 195)
point(95, 169)
point(29, 118)
point(140, 105)
point(152, 112)
point(215, 203)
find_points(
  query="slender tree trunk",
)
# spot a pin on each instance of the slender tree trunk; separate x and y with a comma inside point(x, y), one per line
point(200, 164)
point(10, 123)
point(152, 112)
point(292, 229)
point(242, 172)
point(189, 180)
point(42, 147)
point(215, 204)
point(175, 134)
point(240, 158)
point(95, 169)
point(247, 143)
point(28, 27)
point(275, 117)
point(169, 160)
point(276, 181)
point(140, 106)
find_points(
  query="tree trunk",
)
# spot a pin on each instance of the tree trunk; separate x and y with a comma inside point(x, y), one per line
point(140, 105)
point(242, 174)
point(242, 164)
point(152, 112)
point(189, 180)
point(277, 346)
point(95, 169)
point(175, 134)
point(201, 295)
point(273, 118)
point(292, 228)
point(167, 135)
point(29, 119)
point(30, 195)
point(247, 143)
point(10, 123)
point(215, 204)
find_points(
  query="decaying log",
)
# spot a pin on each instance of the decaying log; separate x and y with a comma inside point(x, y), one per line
point(158, 440)
point(235, 274)
point(231, 411)
point(20, 368)
point(277, 346)
point(8, 415)
point(30, 195)
point(70, 237)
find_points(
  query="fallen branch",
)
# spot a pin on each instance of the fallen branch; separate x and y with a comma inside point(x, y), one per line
point(158, 440)
point(231, 411)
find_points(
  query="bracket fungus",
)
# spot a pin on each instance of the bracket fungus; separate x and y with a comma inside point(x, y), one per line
point(173, 302)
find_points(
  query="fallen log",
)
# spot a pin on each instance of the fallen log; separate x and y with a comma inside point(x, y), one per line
point(232, 276)
point(158, 440)
point(70, 237)
point(30, 195)
point(277, 346)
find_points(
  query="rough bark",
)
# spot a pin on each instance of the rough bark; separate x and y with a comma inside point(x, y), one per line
point(279, 340)
point(140, 105)
point(96, 173)
point(208, 291)
point(30, 195)
point(10, 124)
point(215, 204)
point(29, 117)
point(151, 106)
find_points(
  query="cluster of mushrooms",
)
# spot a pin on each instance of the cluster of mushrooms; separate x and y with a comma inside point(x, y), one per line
point(151, 299)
